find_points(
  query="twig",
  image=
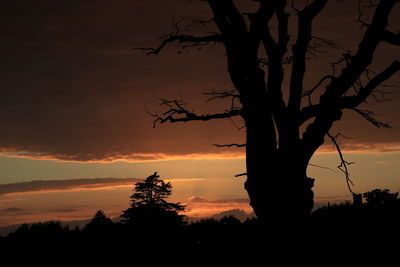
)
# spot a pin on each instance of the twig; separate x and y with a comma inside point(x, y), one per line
point(343, 167)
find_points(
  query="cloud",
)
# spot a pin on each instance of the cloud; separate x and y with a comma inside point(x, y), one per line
point(65, 210)
point(63, 185)
point(74, 90)
point(195, 199)
point(201, 207)
point(199, 199)
point(13, 209)
point(135, 157)
point(352, 146)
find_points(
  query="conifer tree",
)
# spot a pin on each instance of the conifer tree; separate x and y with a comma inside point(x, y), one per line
point(148, 204)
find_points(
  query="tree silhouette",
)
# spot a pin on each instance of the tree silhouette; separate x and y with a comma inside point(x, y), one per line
point(99, 221)
point(282, 136)
point(380, 197)
point(148, 204)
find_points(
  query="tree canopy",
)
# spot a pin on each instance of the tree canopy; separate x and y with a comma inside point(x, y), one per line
point(149, 204)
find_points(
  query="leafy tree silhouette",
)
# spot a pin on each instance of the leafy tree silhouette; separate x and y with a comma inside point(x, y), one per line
point(283, 134)
point(99, 221)
point(149, 207)
point(380, 197)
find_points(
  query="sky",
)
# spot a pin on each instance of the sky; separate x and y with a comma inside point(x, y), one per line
point(75, 96)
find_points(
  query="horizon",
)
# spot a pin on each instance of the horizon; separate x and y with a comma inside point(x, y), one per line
point(61, 198)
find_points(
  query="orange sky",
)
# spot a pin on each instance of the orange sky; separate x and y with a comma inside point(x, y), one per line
point(206, 186)
point(74, 99)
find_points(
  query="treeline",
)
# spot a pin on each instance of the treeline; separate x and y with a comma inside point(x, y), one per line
point(207, 242)
point(364, 234)
point(153, 233)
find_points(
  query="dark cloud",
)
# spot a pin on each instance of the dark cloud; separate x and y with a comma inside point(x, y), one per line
point(237, 200)
point(13, 209)
point(66, 209)
point(198, 199)
point(50, 185)
point(73, 89)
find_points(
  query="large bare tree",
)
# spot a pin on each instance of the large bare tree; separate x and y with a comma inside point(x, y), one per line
point(282, 135)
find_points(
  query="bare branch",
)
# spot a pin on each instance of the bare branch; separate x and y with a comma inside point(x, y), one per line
point(230, 95)
point(346, 57)
point(374, 34)
point(370, 117)
point(321, 167)
point(222, 94)
point(361, 8)
point(364, 92)
point(351, 102)
point(343, 167)
point(186, 41)
point(317, 45)
point(309, 92)
point(198, 22)
point(178, 113)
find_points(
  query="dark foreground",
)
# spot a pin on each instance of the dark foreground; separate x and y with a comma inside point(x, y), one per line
point(341, 235)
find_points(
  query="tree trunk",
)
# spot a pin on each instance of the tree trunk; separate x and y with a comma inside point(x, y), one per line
point(281, 195)
point(277, 183)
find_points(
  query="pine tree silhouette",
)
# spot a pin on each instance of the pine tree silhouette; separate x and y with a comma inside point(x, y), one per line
point(149, 207)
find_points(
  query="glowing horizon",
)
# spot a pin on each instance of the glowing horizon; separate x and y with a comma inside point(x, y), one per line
point(391, 147)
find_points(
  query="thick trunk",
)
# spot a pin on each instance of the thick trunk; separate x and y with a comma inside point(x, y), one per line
point(277, 184)
point(282, 198)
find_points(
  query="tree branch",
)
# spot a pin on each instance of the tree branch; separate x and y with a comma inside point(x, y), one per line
point(370, 117)
point(391, 38)
point(275, 50)
point(364, 92)
point(305, 19)
point(231, 95)
point(322, 167)
point(351, 102)
point(308, 112)
point(178, 113)
point(332, 102)
point(259, 30)
point(343, 167)
point(229, 20)
point(309, 92)
point(186, 41)
point(275, 70)
point(375, 33)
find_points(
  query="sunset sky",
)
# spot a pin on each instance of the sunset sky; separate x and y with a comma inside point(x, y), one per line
point(74, 97)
